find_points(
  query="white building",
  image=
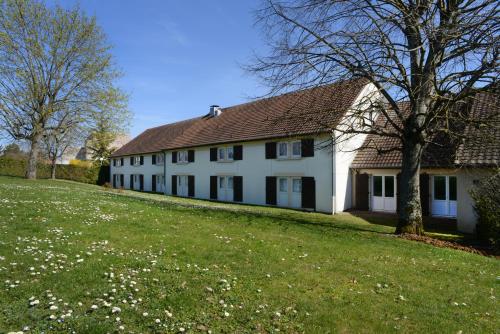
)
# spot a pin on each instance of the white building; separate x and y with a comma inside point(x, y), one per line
point(276, 151)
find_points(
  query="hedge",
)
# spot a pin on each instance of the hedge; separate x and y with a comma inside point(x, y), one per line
point(93, 175)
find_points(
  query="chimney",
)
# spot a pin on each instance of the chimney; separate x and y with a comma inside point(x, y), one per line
point(215, 110)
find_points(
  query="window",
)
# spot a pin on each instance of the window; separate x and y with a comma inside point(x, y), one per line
point(282, 150)
point(229, 182)
point(297, 185)
point(296, 149)
point(453, 188)
point(137, 161)
point(222, 153)
point(377, 186)
point(283, 185)
point(159, 159)
point(389, 186)
point(440, 188)
point(230, 153)
point(118, 162)
point(160, 179)
point(182, 156)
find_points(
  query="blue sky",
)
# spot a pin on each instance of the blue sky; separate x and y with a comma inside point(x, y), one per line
point(179, 57)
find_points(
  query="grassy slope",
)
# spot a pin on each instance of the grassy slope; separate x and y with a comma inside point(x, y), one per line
point(268, 269)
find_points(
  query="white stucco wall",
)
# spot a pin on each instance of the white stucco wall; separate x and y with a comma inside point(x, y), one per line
point(254, 168)
point(147, 169)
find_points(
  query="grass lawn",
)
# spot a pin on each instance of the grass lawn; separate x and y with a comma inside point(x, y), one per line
point(76, 257)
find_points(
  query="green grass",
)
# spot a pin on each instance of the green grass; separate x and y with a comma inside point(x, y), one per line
point(226, 268)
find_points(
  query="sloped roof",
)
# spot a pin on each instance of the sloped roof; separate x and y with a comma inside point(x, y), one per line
point(308, 111)
point(480, 148)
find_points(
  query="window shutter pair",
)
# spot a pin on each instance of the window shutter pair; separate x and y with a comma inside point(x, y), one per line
point(153, 159)
point(238, 188)
point(213, 187)
point(174, 157)
point(141, 160)
point(131, 161)
point(153, 183)
point(174, 184)
point(131, 181)
point(271, 150)
point(238, 152)
point(191, 185)
point(141, 182)
point(114, 162)
point(213, 153)
point(191, 156)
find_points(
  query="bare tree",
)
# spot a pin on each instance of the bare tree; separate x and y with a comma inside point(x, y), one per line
point(54, 65)
point(433, 54)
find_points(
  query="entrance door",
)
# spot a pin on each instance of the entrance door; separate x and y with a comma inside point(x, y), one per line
point(225, 191)
point(444, 196)
point(290, 192)
point(283, 191)
point(296, 194)
point(384, 198)
point(182, 185)
point(160, 183)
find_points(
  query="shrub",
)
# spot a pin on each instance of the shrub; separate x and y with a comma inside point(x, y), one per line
point(487, 205)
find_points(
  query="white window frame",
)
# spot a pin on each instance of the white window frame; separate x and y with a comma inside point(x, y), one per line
point(226, 150)
point(160, 159)
point(286, 155)
point(182, 157)
point(293, 155)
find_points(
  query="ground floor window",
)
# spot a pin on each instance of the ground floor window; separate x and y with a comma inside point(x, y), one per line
point(384, 198)
point(444, 195)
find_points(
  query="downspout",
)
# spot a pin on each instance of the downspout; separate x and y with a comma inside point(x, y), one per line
point(334, 179)
point(164, 172)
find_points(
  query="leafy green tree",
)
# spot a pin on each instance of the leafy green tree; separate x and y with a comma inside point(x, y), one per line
point(56, 71)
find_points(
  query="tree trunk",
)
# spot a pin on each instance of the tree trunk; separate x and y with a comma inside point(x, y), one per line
point(410, 213)
point(53, 169)
point(33, 156)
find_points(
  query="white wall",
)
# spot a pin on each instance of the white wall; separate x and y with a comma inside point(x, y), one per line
point(254, 168)
point(147, 169)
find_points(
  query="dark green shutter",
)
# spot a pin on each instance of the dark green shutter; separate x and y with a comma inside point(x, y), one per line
point(191, 185)
point(271, 190)
point(213, 153)
point(308, 193)
point(131, 181)
point(307, 147)
point(174, 157)
point(238, 188)
point(424, 193)
point(213, 187)
point(153, 183)
point(174, 184)
point(238, 152)
point(271, 150)
point(153, 159)
point(191, 156)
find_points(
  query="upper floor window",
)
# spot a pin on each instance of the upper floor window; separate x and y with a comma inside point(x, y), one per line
point(182, 156)
point(282, 150)
point(226, 153)
point(118, 162)
point(137, 161)
point(160, 159)
point(296, 149)
point(287, 150)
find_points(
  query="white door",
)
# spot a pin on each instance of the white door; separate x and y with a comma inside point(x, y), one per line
point(160, 183)
point(182, 185)
point(444, 196)
point(296, 194)
point(137, 182)
point(225, 188)
point(384, 197)
point(283, 191)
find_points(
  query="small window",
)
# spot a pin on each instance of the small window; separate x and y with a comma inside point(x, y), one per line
point(159, 159)
point(297, 185)
point(377, 186)
point(389, 186)
point(440, 187)
point(182, 156)
point(296, 149)
point(230, 182)
point(453, 188)
point(221, 182)
point(137, 161)
point(283, 185)
point(282, 150)
point(230, 153)
point(222, 153)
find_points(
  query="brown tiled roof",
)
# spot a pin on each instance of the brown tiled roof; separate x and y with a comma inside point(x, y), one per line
point(309, 111)
point(480, 148)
